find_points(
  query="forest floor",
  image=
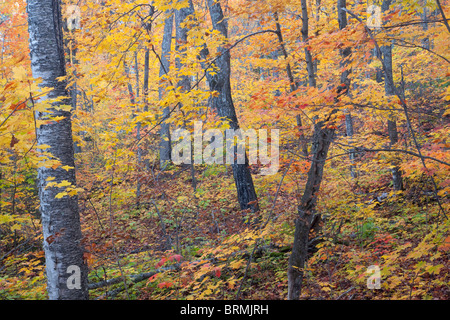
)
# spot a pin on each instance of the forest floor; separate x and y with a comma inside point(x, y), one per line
point(185, 245)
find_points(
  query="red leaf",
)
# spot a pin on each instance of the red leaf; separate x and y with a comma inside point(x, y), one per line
point(161, 262)
point(218, 272)
point(153, 277)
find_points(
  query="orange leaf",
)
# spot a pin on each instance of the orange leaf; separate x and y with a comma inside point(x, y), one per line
point(165, 284)
point(18, 106)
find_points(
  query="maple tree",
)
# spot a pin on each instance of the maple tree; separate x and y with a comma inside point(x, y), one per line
point(360, 98)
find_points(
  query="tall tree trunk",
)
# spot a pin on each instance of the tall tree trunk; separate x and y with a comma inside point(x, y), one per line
point(308, 217)
point(322, 138)
point(65, 266)
point(148, 28)
point(389, 91)
point(133, 101)
point(344, 86)
point(145, 97)
point(138, 129)
point(305, 35)
point(165, 149)
point(181, 38)
point(71, 23)
point(223, 105)
point(426, 40)
point(397, 179)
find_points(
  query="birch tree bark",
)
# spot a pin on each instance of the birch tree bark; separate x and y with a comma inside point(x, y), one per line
point(65, 267)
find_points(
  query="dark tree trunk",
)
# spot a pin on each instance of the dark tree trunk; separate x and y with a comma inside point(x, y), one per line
point(165, 149)
point(307, 209)
point(60, 216)
point(148, 28)
point(71, 52)
point(344, 86)
point(389, 88)
point(146, 160)
point(305, 34)
point(397, 179)
point(133, 101)
point(308, 217)
point(223, 105)
point(181, 39)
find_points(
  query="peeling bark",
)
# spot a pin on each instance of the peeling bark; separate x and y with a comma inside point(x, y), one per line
point(60, 217)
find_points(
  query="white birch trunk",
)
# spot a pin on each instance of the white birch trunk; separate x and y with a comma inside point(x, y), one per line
point(65, 267)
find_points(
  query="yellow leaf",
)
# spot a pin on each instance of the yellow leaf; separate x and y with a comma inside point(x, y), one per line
point(58, 118)
point(60, 195)
point(19, 73)
point(51, 184)
point(64, 183)
point(5, 219)
point(73, 192)
point(236, 264)
point(16, 227)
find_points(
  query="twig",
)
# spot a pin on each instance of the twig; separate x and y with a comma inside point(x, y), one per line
point(96, 213)
point(345, 292)
point(443, 14)
point(412, 45)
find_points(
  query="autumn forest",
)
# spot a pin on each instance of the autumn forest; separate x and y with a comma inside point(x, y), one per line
point(224, 150)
